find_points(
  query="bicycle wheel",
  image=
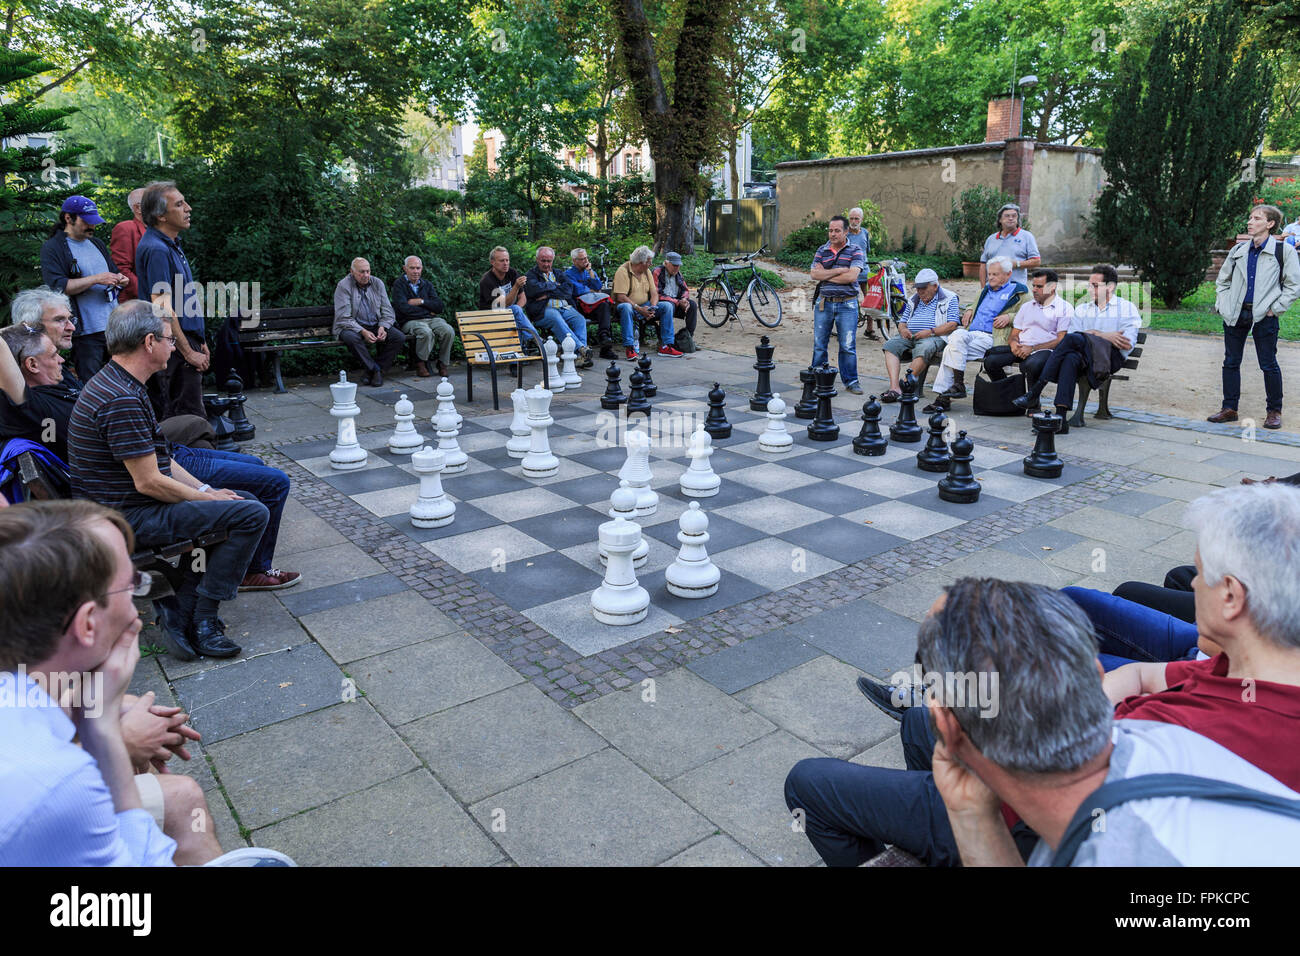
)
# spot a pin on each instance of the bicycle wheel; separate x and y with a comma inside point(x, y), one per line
point(764, 302)
point(714, 303)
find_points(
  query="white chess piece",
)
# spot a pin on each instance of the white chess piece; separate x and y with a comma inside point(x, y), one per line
point(620, 599)
point(539, 462)
point(636, 472)
point(555, 379)
point(347, 454)
point(520, 434)
point(456, 460)
point(692, 574)
point(447, 400)
point(404, 439)
point(700, 480)
point(568, 370)
point(775, 438)
point(623, 502)
point(433, 509)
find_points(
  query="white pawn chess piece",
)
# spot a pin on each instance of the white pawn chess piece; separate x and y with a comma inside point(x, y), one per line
point(520, 434)
point(775, 438)
point(347, 454)
point(623, 502)
point(447, 400)
point(555, 379)
point(568, 370)
point(620, 599)
point(636, 472)
point(433, 509)
point(539, 462)
point(456, 460)
point(404, 439)
point(692, 574)
point(700, 480)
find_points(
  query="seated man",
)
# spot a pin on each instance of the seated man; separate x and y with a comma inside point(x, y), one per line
point(635, 294)
point(502, 287)
point(587, 286)
point(419, 310)
point(672, 288)
point(119, 459)
point(363, 317)
point(931, 313)
point(1102, 334)
point(994, 309)
point(1038, 328)
point(551, 305)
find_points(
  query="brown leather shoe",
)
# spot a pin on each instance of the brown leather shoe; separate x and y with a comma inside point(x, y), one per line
point(442, 370)
point(1223, 415)
point(422, 368)
point(1273, 420)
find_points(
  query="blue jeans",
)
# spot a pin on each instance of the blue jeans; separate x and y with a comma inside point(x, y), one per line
point(528, 331)
point(565, 320)
point(228, 469)
point(1234, 345)
point(627, 321)
point(843, 315)
point(1128, 632)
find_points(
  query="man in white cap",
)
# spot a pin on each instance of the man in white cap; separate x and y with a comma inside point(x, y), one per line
point(931, 313)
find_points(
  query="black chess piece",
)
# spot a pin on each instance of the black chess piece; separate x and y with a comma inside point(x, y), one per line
point(763, 392)
point(1043, 461)
point(869, 441)
point(244, 430)
point(905, 428)
point(648, 385)
point(215, 408)
point(934, 456)
point(823, 427)
point(716, 423)
point(960, 486)
point(637, 403)
point(807, 404)
point(613, 396)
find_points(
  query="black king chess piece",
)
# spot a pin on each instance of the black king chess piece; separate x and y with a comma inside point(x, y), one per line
point(648, 385)
point(869, 441)
point(934, 456)
point(960, 486)
point(716, 423)
point(823, 427)
point(637, 403)
point(905, 428)
point(807, 405)
point(763, 392)
point(1043, 461)
point(613, 396)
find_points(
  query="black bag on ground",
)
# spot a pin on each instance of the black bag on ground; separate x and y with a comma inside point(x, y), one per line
point(995, 397)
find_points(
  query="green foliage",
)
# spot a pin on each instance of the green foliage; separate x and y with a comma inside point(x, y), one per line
point(1283, 192)
point(799, 247)
point(973, 217)
point(874, 222)
point(945, 266)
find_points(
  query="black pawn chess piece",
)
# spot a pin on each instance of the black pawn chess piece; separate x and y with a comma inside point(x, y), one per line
point(934, 456)
point(869, 441)
point(648, 385)
point(823, 427)
point(637, 403)
point(244, 429)
point(763, 392)
point(613, 396)
point(905, 428)
point(1043, 461)
point(716, 423)
point(807, 407)
point(960, 486)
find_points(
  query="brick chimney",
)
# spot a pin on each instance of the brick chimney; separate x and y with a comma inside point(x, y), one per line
point(1003, 119)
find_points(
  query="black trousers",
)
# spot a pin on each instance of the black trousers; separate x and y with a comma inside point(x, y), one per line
point(386, 351)
point(1069, 360)
point(89, 354)
point(999, 357)
point(691, 314)
point(601, 318)
point(180, 384)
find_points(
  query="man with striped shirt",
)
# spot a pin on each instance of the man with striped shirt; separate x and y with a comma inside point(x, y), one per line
point(835, 268)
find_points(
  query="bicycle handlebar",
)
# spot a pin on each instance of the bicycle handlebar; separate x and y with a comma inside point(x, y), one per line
point(749, 258)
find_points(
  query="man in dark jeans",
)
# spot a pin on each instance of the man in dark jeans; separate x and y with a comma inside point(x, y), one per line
point(119, 459)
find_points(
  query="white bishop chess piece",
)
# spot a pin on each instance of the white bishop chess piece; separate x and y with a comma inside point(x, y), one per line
point(775, 438)
point(404, 439)
point(433, 509)
point(623, 503)
point(568, 369)
point(554, 378)
point(693, 575)
point(347, 454)
point(700, 480)
point(520, 434)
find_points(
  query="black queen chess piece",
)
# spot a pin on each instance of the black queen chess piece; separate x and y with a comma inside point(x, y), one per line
point(1043, 461)
point(637, 403)
point(763, 392)
point(934, 456)
point(613, 396)
point(807, 405)
point(823, 427)
point(960, 486)
point(869, 441)
point(648, 385)
point(716, 423)
point(905, 427)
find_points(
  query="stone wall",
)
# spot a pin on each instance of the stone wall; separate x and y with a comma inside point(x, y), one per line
point(1065, 183)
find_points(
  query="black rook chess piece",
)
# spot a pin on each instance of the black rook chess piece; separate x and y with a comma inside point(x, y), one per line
point(869, 441)
point(637, 403)
point(1043, 461)
point(648, 385)
point(934, 456)
point(960, 486)
point(905, 428)
point(823, 427)
point(244, 429)
point(613, 396)
point(807, 406)
point(763, 393)
point(716, 423)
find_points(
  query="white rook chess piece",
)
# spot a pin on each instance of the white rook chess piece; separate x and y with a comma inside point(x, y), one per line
point(775, 438)
point(553, 375)
point(636, 472)
point(620, 599)
point(347, 454)
point(623, 502)
point(520, 434)
point(433, 509)
point(404, 439)
point(693, 575)
point(447, 401)
point(700, 480)
point(569, 371)
point(539, 462)
point(456, 460)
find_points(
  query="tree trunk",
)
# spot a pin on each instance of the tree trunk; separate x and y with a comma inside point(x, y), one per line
point(674, 216)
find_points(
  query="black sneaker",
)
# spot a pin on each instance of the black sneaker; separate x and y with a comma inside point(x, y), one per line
point(890, 699)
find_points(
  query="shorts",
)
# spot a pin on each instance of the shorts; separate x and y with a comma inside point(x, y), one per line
point(151, 796)
point(929, 348)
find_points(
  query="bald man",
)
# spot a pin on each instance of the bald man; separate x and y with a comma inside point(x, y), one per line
point(363, 317)
point(125, 237)
point(419, 310)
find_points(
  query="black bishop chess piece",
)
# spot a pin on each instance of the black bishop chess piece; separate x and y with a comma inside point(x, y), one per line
point(960, 486)
point(244, 430)
point(905, 428)
point(763, 392)
point(637, 403)
point(934, 456)
point(613, 396)
point(648, 385)
point(823, 427)
point(807, 405)
point(1043, 461)
point(869, 441)
point(716, 423)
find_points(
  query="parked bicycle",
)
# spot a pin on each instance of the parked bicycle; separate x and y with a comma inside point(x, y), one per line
point(719, 299)
point(886, 294)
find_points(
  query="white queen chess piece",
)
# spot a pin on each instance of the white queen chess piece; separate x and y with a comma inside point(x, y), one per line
point(520, 434)
point(553, 375)
point(539, 462)
point(693, 575)
point(404, 439)
point(568, 369)
point(347, 454)
point(456, 460)
point(700, 480)
point(636, 472)
point(620, 600)
point(623, 503)
point(775, 438)
point(433, 509)
point(447, 401)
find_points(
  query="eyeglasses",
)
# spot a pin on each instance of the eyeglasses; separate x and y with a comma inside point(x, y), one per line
point(167, 338)
point(144, 584)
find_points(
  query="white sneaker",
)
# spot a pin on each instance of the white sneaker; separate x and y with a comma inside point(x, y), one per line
point(252, 856)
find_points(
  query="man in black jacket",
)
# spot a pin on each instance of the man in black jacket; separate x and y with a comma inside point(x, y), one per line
point(419, 309)
point(551, 305)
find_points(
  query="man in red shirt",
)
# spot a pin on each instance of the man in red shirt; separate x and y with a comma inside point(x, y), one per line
point(126, 236)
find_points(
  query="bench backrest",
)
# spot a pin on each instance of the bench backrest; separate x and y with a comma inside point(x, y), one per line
point(298, 323)
point(495, 327)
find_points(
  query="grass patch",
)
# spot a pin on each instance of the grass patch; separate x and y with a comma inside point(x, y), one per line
point(1195, 315)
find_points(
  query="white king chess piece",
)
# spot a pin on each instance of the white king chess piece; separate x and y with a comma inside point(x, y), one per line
point(433, 509)
point(700, 480)
point(347, 454)
point(539, 462)
point(404, 439)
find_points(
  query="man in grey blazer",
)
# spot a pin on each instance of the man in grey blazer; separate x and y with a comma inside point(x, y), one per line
point(363, 317)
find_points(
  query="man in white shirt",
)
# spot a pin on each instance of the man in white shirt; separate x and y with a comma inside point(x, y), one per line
point(1038, 328)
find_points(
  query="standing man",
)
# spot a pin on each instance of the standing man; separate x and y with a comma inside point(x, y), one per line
point(363, 317)
point(1038, 328)
point(931, 313)
point(1257, 282)
point(836, 268)
point(126, 236)
point(588, 287)
point(635, 294)
point(861, 238)
point(419, 309)
point(994, 309)
point(502, 287)
point(671, 286)
point(551, 304)
point(1013, 242)
point(76, 263)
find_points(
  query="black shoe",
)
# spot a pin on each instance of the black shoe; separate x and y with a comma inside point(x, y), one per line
point(376, 379)
point(210, 639)
point(1065, 421)
point(889, 699)
point(940, 404)
point(1025, 402)
point(956, 391)
point(173, 632)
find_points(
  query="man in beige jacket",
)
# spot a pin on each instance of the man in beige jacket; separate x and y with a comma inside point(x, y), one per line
point(363, 317)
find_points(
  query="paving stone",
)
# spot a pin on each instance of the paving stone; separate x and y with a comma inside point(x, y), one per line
point(390, 501)
point(1172, 466)
point(1038, 542)
point(1016, 488)
point(571, 621)
point(354, 631)
point(1180, 489)
point(757, 659)
point(774, 563)
point(903, 520)
point(1172, 513)
point(302, 603)
point(538, 580)
point(861, 633)
point(257, 622)
point(1121, 529)
point(325, 567)
point(498, 547)
point(1135, 503)
point(1180, 547)
point(888, 753)
point(369, 479)
point(732, 590)
point(467, 519)
point(221, 821)
point(1102, 558)
point(719, 850)
point(841, 540)
point(300, 530)
point(523, 504)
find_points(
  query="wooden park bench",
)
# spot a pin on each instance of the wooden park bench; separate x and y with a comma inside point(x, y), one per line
point(490, 337)
point(1103, 393)
point(277, 331)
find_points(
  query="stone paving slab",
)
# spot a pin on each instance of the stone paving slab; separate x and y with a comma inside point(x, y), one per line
point(1103, 525)
point(257, 622)
point(1134, 503)
point(325, 567)
point(354, 631)
point(342, 593)
point(861, 633)
point(1038, 542)
point(1103, 559)
point(757, 659)
point(888, 753)
point(300, 530)
point(715, 851)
